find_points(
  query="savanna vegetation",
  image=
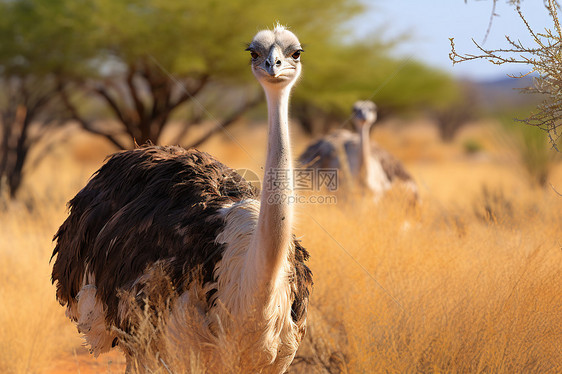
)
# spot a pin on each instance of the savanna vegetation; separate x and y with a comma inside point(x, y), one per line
point(144, 63)
point(542, 57)
point(465, 281)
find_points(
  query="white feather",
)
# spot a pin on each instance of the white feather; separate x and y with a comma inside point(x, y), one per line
point(238, 306)
point(89, 314)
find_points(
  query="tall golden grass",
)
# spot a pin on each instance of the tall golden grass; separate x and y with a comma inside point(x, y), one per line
point(449, 292)
point(32, 327)
point(467, 281)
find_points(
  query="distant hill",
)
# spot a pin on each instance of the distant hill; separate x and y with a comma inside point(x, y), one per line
point(504, 92)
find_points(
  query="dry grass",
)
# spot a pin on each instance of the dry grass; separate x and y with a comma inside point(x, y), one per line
point(32, 327)
point(450, 293)
point(468, 281)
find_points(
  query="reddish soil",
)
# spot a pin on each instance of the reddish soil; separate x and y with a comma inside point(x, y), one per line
point(82, 362)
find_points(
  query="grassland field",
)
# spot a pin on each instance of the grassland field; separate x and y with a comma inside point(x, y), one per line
point(466, 281)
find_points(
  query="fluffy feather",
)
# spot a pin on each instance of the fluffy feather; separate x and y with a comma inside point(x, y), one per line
point(181, 209)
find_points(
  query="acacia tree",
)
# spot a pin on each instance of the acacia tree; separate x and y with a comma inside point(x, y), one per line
point(164, 55)
point(156, 56)
point(143, 62)
point(452, 117)
point(543, 57)
point(142, 59)
point(36, 46)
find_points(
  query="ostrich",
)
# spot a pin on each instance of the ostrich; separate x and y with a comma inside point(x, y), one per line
point(371, 167)
point(205, 228)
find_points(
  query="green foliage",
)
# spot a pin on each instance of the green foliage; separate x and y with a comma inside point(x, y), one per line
point(185, 37)
point(472, 146)
point(204, 37)
point(39, 43)
point(341, 73)
point(192, 38)
point(40, 39)
point(148, 58)
point(145, 59)
point(531, 145)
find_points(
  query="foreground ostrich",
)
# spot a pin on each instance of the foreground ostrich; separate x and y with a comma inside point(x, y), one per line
point(353, 153)
point(187, 214)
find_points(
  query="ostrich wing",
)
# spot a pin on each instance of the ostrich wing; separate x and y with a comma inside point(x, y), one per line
point(142, 206)
point(393, 168)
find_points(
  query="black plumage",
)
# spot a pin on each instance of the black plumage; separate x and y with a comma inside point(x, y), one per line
point(147, 205)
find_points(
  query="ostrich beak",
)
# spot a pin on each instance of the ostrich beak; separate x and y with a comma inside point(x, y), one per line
point(273, 63)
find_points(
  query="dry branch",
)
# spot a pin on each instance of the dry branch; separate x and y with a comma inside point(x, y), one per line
point(544, 59)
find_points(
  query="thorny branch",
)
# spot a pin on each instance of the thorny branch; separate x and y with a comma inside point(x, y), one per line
point(545, 60)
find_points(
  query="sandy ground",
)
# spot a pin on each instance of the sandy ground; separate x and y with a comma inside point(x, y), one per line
point(82, 362)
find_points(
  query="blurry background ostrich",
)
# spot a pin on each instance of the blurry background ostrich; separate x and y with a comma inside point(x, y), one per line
point(229, 257)
point(361, 162)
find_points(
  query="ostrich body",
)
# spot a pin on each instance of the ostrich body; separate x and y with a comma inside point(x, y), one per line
point(228, 255)
point(364, 162)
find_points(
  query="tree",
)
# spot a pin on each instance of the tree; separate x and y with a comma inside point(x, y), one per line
point(545, 59)
point(458, 113)
point(342, 72)
point(37, 45)
point(143, 59)
point(143, 62)
point(165, 54)
point(159, 55)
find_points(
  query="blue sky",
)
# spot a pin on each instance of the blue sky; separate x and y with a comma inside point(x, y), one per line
point(430, 24)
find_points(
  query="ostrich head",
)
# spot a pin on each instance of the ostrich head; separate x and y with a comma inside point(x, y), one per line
point(275, 58)
point(364, 114)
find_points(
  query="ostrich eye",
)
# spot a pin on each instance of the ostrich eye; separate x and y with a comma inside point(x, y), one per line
point(254, 55)
point(296, 55)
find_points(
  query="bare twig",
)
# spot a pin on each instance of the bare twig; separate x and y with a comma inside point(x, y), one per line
point(555, 190)
point(86, 125)
point(228, 121)
point(492, 15)
point(544, 59)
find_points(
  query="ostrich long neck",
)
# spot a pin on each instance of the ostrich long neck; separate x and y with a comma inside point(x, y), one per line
point(273, 232)
point(364, 156)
